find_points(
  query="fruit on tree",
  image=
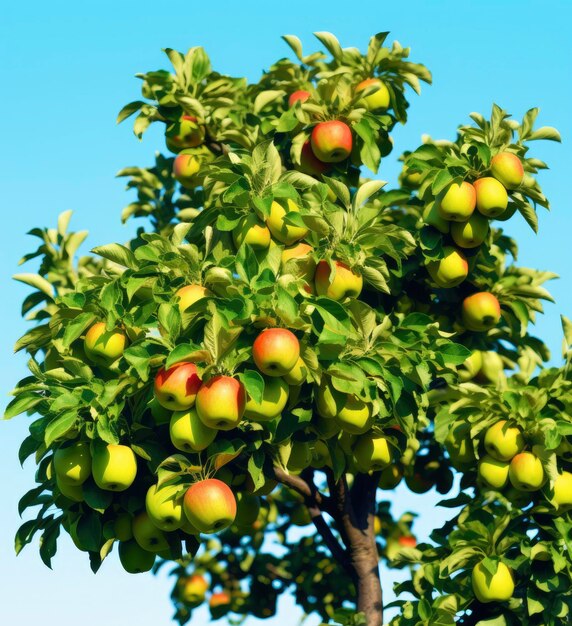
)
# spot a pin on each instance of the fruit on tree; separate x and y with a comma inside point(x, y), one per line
point(492, 198)
point(186, 166)
point(562, 490)
point(300, 456)
point(458, 202)
point(320, 454)
point(274, 399)
point(507, 168)
point(390, 477)
point(451, 270)
point(371, 453)
point(497, 587)
point(380, 98)
point(147, 535)
point(219, 599)
point(418, 483)
point(298, 374)
point(189, 294)
point(176, 388)
point(526, 472)
point(72, 464)
point(447, 603)
point(355, 416)
point(503, 441)
point(298, 96)
point(104, 346)
point(492, 369)
point(123, 527)
point(71, 492)
point(471, 366)
point(331, 141)
point(276, 351)
point(481, 311)
point(188, 433)
point(114, 467)
point(407, 541)
point(309, 162)
point(184, 133)
point(251, 231)
point(192, 589)
point(344, 283)
point(164, 506)
point(493, 471)
point(459, 446)
point(287, 234)
point(160, 414)
point(134, 558)
point(472, 233)
point(432, 217)
point(210, 505)
point(247, 509)
point(220, 402)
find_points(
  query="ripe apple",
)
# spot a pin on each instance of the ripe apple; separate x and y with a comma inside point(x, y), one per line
point(458, 202)
point(189, 294)
point(459, 447)
point(160, 414)
point(379, 99)
point(492, 198)
point(300, 456)
point(481, 311)
point(298, 374)
point(451, 270)
point(503, 441)
point(188, 433)
point(72, 464)
point(134, 559)
point(219, 599)
point(331, 141)
point(248, 508)
point(147, 535)
point(507, 168)
point(251, 231)
point(276, 351)
point(210, 505)
point(371, 453)
point(184, 133)
point(493, 471)
point(185, 168)
point(355, 417)
point(526, 472)
point(410, 179)
point(345, 283)
point(71, 492)
point(562, 490)
point(472, 233)
point(299, 95)
point(471, 366)
point(496, 588)
point(123, 527)
point(285, 233)
point(390, 477)
point(192, 589)
point(432, 217)
point(407, 541)
point(274, 399)
point(104, 346)
point(164, 506)
point(176, 388)
point(309, 162)
point(220, 402)
point(114, 467)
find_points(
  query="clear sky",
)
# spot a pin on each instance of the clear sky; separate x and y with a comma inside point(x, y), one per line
point(67, 68)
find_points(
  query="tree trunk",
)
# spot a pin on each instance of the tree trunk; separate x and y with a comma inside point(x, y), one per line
point(364, 560)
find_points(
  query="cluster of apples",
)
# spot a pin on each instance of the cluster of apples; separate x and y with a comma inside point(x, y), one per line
point(192, 590)
point(185, 137)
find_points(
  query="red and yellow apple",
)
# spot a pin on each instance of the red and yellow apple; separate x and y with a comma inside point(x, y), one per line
point(186, 166)
point(298, 96)
point(186, 132)
point(104, 346)
point(309, 162)
point(332, 141)
point(192, 589)
point(276, 351)
point(345, 283)
point(176, 388)
point(251, 231)
point(380, 98)
point(210, 505)
point(458, 202)
point(220, 402)
point(526, 472)
point(451, 270)
point(492, 198)
point(507, 168)
point(481, 311)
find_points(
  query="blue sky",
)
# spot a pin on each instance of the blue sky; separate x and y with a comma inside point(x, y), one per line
point(67, 68)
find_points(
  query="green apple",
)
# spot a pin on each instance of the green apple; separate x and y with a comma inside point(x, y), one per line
point(503, 441)
point(451, 270)
point(298, 374)
point(176, 388)
point(328, 401)
point(123, 527)
point(302, 265)
point(458, 202)
point(320, 455)
point(276, 351)
point(498, 587)
point(481, 311)
point(221, 402)
point(164, 506)
point(248, 508)
point(71, 492)
point(251, 231)
point(114, 467)
point(343, 283)
point(147, 535)
point(372, 453)
point(562, 490)
point(472, 233)
point(492, 369)
point(459, 447)
point(379, 98)
point(210, 505)
point(189, 294)
point(355, 417)
point(331, 141)
point(287, 234)
point(471, 366)
point(418, 483)
point(432, 217)
point(135, 560)
point(390, 477)
point(507, 168)
point(300, 456)
point(526, 472)
point(192, 589)
point(72, 464)
point(188, 433)
point(493, 472)
point(274, 399)
point(160, 414)
point(492, 198)
point(104, 346)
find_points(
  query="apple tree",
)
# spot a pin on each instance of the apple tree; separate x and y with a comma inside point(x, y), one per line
point(235, 392)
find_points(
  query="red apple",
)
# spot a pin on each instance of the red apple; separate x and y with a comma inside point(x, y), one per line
point(481, 311)
point(220, 402)
point(332, 141)
point(507, 168)
point(177, 387)
point(345, 284)
point(300, 95)
point(309, 162)
point(276, 351)
point(210, 505)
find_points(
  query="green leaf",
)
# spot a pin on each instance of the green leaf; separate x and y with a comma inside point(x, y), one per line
point(76, 327)
point(546, 132)
point(253, 384)
point(37, 281)
point(59, 426)
point(118, 254)
point(22, 403)
point(128, 110)
point(255, 465)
